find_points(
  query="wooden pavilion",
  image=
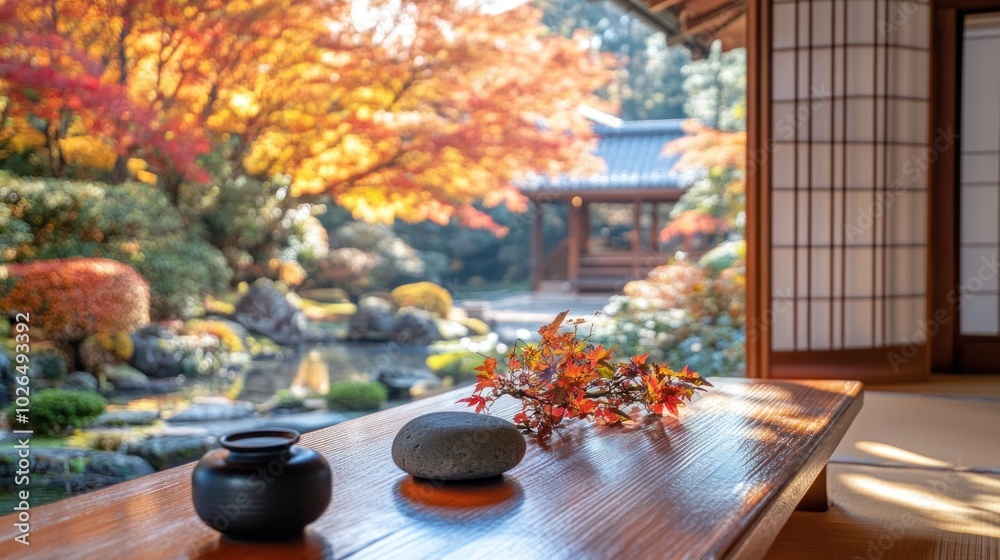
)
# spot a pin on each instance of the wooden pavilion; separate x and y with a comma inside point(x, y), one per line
point(637, 187)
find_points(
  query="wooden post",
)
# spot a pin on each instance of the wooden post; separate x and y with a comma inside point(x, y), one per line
point(537, 245)
point(636, 236)
point(574, 244)
point(817, 498)
point(654, 234)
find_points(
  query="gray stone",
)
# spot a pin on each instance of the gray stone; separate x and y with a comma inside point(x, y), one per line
point(64, 472)
point(414, 326)
point(264, 310)
point(405, 382)
point(118, 418)
point(164, 452)
point(125, 378)
point(157, 353)
point(373, 320)
point(212, 412)
point(457, 446)
point(6, 379)
point(81, 381)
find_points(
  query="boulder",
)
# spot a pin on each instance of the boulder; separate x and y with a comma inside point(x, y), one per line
point(213, 412)
point(373, 320)
point(6, 380)
point(265, 311)
point(451, 330)
point(62, 472)
point(48, 368)
point(125, 378)
point(121, 418)
point(414, 326)
point(406, 382)
point(164, 452)
point(157, 353)
point(80, 381)
point(457, 446)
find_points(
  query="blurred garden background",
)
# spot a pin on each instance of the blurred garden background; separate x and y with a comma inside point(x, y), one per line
point(227, 214)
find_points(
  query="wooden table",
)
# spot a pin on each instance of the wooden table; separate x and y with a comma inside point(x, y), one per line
point(720, 482)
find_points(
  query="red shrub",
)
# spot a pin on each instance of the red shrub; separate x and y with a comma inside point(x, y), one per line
point(69, 299)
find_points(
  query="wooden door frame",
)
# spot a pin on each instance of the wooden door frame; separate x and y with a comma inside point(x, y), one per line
point(943, 207)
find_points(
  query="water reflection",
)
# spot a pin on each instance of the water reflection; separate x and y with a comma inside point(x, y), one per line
point(312, 370)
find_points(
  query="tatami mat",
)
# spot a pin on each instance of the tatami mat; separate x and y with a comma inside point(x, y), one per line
point(916, 477)
point(925, 431)
point(887, 513)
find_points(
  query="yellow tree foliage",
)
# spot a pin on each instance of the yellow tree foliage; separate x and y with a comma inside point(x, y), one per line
point(411, 109)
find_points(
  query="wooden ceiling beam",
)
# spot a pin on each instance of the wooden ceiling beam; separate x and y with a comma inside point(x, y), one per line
point(660, 5)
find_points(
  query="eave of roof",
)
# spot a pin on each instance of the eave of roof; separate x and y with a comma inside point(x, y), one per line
point(694, 23)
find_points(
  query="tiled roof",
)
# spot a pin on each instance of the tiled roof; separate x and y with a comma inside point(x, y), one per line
point(633, 155)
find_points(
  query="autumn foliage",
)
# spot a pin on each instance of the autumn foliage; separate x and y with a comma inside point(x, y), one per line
point(564, 376)
point(419, 110)
point(717, 203)
point(70, 299)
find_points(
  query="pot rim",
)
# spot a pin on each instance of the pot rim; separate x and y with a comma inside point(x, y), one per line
point(237, 441)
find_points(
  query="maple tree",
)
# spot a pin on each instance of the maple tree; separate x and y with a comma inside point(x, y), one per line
point(564, 376)
point(717, 203)
point(398, 109)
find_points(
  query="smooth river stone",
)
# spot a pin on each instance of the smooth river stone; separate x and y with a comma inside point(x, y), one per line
point(457, 446)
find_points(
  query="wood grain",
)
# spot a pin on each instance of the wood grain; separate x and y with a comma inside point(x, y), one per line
point(719, 482)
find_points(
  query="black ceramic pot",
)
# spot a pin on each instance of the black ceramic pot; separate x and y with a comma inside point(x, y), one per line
point(260, 485)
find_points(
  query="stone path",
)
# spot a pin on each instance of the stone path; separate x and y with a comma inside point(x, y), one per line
point(538, 307)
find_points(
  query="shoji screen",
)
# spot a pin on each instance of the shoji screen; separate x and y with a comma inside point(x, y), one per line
point(848, 187)
point(979, 235)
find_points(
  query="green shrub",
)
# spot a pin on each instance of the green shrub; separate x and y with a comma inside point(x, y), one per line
point(423, 295)
point(285, 399)
point(55, 412)
point(356, 395)
point(131, 223)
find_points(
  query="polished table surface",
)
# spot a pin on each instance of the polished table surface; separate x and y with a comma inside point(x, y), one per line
point(719, 482)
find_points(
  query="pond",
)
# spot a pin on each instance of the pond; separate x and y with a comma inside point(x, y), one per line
point(313, 368)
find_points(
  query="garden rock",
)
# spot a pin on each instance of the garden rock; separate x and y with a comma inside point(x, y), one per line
point(457, 446)
point(212, 412)
point(164, 452)
point(121, 418)
point(125, 378)
point(414, 326)
point(80, 381)
point(6, 380)
point(373, 320)
point(451, 330)
point(72, 471)
point(405, 382)
point(47, 368)
point(156, 353)
point(264, 310)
